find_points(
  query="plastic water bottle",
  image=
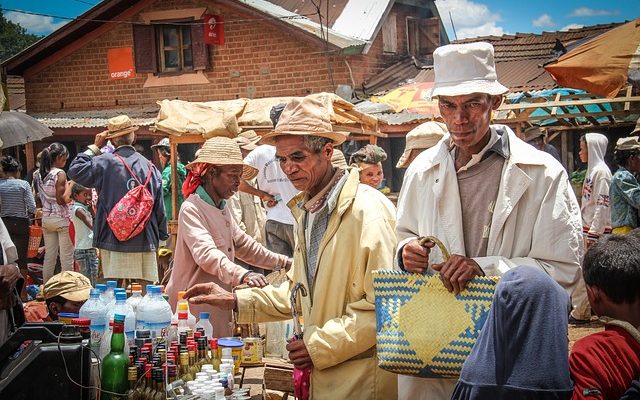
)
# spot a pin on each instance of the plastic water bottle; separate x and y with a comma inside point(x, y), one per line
point(95, 310)
point(109, 294)
point(140, 309)
point(136, 296)
point(157, 314)
point(102, 288)
point(121, 307)
point(205, 324)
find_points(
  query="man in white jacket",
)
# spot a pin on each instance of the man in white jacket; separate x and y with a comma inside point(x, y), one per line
point(493, 200)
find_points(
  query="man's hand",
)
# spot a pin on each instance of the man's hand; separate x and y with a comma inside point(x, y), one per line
point(253, 279)
point(415, 257)
point(101, 140)
point(299, 355)
point(456, 272)
point(212, 294)
point(9, 277)
point(268, 199)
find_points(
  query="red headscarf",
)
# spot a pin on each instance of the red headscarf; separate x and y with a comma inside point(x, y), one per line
point(194, 178)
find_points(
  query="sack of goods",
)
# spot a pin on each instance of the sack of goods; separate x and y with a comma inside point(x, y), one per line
point(421, 328)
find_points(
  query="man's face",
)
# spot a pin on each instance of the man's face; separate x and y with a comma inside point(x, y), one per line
point(226, 182)
point(304, 168)
point(69, 306)
point(468, 118)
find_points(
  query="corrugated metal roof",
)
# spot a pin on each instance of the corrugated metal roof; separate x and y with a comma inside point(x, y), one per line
point(358, 19)
point(95, 118)
point(402, 118)
point(334, 37)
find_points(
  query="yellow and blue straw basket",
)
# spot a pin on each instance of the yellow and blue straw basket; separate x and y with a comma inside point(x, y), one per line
point(424, 330)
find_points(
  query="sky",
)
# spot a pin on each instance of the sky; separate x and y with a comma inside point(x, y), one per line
point(471, 18)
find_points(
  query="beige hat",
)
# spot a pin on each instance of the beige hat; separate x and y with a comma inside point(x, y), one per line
point(119, 126)
point(462, 69)
point(305, 117)
point(532, 133)
point(247, 140)
point(628, 143)
point(423, 136)
point(221, 150)
point(637, 129)
point(71, 285)
point(338, 160)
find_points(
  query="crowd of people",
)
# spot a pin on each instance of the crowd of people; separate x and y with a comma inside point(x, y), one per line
point(289, 200)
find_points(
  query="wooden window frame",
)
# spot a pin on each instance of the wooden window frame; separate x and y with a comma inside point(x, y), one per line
point(159, 37)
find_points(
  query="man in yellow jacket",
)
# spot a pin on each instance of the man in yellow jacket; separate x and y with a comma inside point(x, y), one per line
point(345, 231)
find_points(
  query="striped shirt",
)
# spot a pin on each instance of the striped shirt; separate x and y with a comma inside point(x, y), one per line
point(16, 198)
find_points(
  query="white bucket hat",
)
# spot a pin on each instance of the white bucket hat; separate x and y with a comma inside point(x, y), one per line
point(462, 69)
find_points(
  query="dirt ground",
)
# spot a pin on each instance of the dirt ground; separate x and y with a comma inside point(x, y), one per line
point(580, 331)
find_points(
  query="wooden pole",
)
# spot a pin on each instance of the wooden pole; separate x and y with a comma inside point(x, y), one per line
point(31, 158)
point(174, 190)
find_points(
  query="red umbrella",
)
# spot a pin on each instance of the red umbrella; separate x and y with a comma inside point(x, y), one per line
point(603, 64)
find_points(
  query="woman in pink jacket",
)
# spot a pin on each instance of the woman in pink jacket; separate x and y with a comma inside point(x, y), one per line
point(209, 240)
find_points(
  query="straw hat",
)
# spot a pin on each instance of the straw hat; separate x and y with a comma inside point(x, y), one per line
point(532, 133)
point(462, 69)
point(305, 117)
point(422, 137)
point(247, 140)
point(628, 143)
point(221, 150)
point(119, 126)
point(338, 160)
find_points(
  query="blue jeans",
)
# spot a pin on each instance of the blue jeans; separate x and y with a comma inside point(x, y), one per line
point(87, 260)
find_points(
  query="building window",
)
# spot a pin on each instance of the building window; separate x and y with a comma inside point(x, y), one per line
point(174, 48)
point(390, 35)
point(170, 48)
point(423, 35)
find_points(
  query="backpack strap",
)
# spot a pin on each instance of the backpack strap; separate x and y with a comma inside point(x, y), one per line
point(133, 174)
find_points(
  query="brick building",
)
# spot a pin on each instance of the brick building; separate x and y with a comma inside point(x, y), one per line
point(271, 48)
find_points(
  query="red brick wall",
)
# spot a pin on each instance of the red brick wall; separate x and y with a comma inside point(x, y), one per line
point(258, 54)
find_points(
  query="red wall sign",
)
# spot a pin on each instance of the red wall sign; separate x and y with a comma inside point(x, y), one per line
point(214, 29)
point(121, 63)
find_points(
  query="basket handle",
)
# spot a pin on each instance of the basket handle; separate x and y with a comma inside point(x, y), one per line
point(441, 246)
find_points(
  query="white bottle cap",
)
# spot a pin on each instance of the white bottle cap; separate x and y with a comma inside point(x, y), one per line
point(202, 374)
point(206, 367)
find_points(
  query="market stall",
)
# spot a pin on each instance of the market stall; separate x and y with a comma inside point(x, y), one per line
point(193, 123)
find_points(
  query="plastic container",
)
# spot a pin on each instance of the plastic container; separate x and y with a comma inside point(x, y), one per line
point(140, 309)
point(121, 307)
point(136, 296)
point(94, 309)
point(183, 305)
point(156, 314)
point(66, 318)
point(205, 324)
point(236, 346)
point(109, 293)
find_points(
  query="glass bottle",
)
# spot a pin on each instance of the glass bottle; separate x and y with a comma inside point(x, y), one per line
point(185, 375)
point(160, 394)
point(133, 394)
point(115, 365)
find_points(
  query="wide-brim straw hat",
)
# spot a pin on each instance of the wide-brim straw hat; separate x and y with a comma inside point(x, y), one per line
point(247, 140)
point(119, 126)
point(462, 69)
point(628, 143)
point(305, 117)
point(221, 150)
point(532, 133)
point(338, 159)
point(423, 136)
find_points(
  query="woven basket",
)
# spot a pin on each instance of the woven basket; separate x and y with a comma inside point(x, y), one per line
point(421, 328)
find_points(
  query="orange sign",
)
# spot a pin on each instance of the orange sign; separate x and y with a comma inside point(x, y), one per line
point(121, 63)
